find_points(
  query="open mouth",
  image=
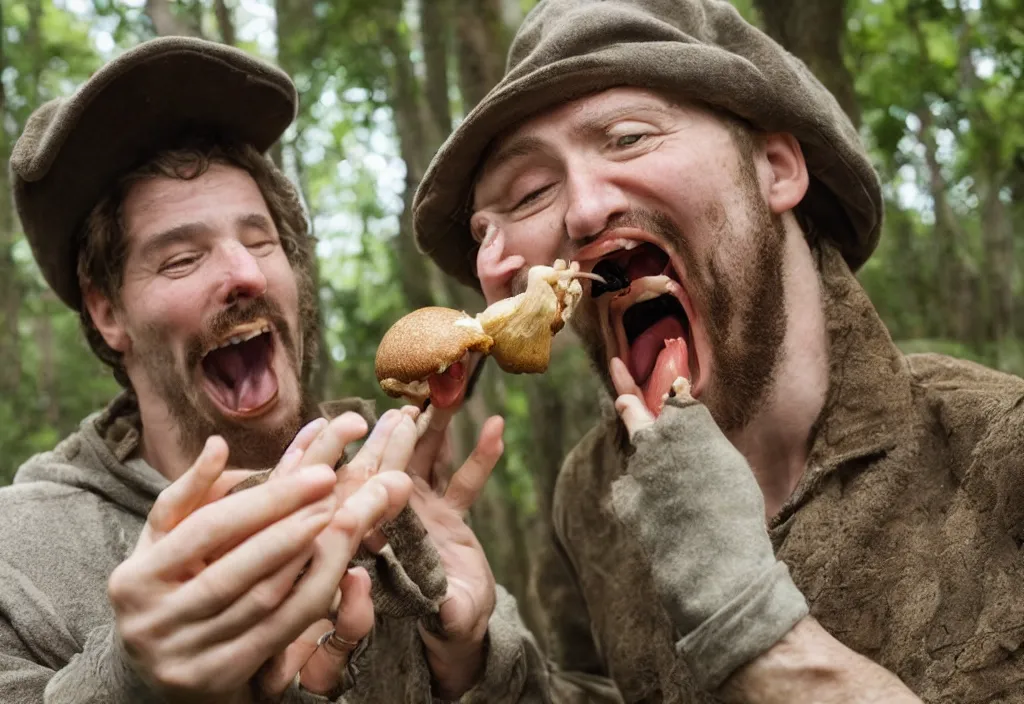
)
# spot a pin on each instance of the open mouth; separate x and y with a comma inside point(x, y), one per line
point(646, 316)
point(238, 372)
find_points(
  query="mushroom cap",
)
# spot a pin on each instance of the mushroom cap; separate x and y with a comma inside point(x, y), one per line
point(427, 341)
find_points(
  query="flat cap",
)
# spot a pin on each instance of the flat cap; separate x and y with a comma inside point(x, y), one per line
point(701, 50)
point(74, 149)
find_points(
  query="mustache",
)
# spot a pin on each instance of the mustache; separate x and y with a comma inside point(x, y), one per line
point(223, 321)
point(652, 221)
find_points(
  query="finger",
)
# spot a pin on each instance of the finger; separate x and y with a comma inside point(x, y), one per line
point(236, 517)
point(400, 447)
point(467, 483)
point(623, 380)
point(373, 538)
point(279, 672)
point(199, 627)
point(291, 461)
point(430, 442)
point(329, 445)
point(491, 257)
point(186, 494)
point(322, 671)
point(381, 497)
point(367, 460)
point(411, 411)
point(634, 414)
point(246, 574)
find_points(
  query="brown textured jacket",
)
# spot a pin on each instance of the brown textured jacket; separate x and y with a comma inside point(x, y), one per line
point(905, 534)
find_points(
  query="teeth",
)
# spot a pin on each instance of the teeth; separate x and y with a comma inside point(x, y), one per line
point(243, 337)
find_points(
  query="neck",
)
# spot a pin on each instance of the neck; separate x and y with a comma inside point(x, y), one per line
point(159, 445)
point(776, 442)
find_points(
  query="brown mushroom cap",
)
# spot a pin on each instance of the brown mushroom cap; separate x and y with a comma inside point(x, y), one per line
point(426, 342)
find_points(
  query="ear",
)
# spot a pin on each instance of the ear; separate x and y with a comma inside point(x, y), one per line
point(494, 266)
point(787, 170)
point(107, 319)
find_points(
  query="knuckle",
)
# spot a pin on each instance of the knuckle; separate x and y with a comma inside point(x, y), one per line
point(346, 522)
point(120, 586)
point(176, 674)
point(267, 596)
point(212, 591)
point(133, 635)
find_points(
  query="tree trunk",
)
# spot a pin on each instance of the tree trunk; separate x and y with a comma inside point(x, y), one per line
point(998, 259)
point(814, 32)
point(46, 384)
point(434, 14)
point(294, 16)
point(10, 289)
point(997, 262)
point(953, 274)
point(225, 22)
point(481, 45)
point(167, 22)
point(414, 126)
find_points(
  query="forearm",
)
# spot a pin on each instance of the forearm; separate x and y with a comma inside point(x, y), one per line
point(809, 665)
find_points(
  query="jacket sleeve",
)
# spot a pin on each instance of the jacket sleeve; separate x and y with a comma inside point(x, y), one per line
point(97, 674)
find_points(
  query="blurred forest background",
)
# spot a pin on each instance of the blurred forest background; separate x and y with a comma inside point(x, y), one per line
point(932, 84)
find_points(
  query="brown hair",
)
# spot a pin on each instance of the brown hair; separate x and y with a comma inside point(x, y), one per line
point(103, 247)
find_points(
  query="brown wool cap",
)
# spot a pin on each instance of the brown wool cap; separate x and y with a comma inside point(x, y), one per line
point(700, 49)
point(73, 149)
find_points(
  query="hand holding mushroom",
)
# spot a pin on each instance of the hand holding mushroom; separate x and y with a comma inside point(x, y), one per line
point(423, 355)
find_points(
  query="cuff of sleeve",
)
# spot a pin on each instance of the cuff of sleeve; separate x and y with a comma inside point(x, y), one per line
point(751, 623)
point(504, 676)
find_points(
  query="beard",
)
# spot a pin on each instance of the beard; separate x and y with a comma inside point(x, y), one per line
point(194, 415)
point(744, 314)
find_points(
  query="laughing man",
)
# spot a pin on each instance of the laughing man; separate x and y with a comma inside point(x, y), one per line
point(127, 575)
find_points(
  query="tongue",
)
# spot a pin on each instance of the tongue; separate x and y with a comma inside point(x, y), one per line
point(256, 388)
point(671, 364)
point(446, 387)
point(253, 382)
point(643, 353)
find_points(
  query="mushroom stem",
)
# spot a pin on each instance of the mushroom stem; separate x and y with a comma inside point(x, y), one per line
point(588, 275)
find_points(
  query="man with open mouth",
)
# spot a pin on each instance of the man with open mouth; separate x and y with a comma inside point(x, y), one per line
point(133, 569)
point(785, 507)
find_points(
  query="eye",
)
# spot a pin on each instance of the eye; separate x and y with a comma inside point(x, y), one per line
point(628, 140)
point(180, 266)
point(531, 196)
point(263, 247)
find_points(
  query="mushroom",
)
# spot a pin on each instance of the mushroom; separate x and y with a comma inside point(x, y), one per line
point(424, 343)
point(516, 331)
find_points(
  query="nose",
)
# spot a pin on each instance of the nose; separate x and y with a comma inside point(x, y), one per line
point(242, 276)
point(594, 200)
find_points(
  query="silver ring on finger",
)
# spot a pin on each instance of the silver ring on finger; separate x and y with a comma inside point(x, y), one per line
point(336, 644)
